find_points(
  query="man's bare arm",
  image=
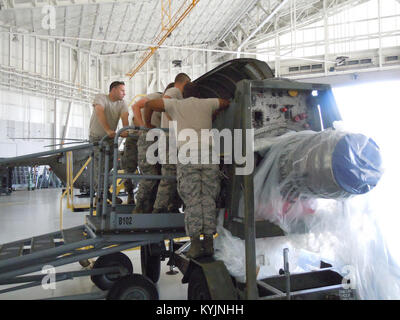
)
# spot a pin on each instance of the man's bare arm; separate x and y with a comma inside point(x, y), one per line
point(99, 109)
point(165, 113)
point(125, 123)
point(223, 104)
point(137, 115)
point(150, 106)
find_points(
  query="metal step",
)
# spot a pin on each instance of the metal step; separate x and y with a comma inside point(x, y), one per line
point(73, 235)
point(28, 255)
point(11, 250)
point(42, 243)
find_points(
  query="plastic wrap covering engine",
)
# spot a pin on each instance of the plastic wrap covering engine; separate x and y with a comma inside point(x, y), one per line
point(297, 148)
point(299, 167)
point(330, 164)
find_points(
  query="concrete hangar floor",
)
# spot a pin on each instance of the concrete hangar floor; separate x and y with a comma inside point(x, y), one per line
point(25, 214)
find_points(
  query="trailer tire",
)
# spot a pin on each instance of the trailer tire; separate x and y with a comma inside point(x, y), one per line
point(151, 264)
point(133, 287)
point(198, 288)
point(117, 259)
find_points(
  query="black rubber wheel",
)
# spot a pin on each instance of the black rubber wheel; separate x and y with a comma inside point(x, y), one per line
point(133, 287)
point(151, 264)
point(198, 288)
point(106, 281)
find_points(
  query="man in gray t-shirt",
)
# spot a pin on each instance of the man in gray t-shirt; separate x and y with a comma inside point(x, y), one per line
point(108, 109)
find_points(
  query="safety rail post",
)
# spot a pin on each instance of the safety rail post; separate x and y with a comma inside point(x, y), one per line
point(287, 271)
point(105, 177)
point(99, 168)
point(104, 149)
point(114, 179)
point(250, 229)
point(91, 182)
point(70, 183)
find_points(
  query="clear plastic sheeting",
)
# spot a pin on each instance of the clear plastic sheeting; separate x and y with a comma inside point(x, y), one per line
point(344, 233)
point(300, 167)
point(231, 250)
point(327, 215)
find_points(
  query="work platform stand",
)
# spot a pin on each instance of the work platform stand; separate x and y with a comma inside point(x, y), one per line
point(108, 231)
point(119, 218)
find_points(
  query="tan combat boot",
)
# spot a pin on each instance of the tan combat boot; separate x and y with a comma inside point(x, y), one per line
point(208, 245)
point(195, 248)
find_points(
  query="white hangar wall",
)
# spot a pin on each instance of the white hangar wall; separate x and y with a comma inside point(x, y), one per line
point(47, 86)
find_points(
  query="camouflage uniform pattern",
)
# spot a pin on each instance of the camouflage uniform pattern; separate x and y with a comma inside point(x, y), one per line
point(167, 199)
point(147, 188)
point(129, 160)
point(198, 186)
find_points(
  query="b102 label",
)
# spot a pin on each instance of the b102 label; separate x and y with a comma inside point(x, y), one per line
point(125, 221)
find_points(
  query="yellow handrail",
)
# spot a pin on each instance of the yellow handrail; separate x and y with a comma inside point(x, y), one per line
point(70, 185)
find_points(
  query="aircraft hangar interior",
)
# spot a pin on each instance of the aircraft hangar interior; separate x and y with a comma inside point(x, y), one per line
point(199, 150)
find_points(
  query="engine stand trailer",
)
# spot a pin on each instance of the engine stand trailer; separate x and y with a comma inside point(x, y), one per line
point(209, 279)
point(107, 232)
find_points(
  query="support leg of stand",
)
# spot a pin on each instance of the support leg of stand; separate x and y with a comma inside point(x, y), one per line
point(171, 259)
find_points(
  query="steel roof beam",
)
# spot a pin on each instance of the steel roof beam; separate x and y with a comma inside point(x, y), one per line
point(95, 26)
point(127, 10)
point(308, 19)
point(245, 9)
point(108, 26)
point(200, 16)
point(11, 4)
point(273, 13)
point(134, 26)
point(81, 25)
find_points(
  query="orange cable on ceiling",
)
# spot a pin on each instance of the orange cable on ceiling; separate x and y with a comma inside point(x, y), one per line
point(165, 31)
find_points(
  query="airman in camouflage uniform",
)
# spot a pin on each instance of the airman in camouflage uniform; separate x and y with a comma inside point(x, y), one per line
point(147, 188)
point(198, 183)
point(199, 186)
point(129, 163)
point(168, 199)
